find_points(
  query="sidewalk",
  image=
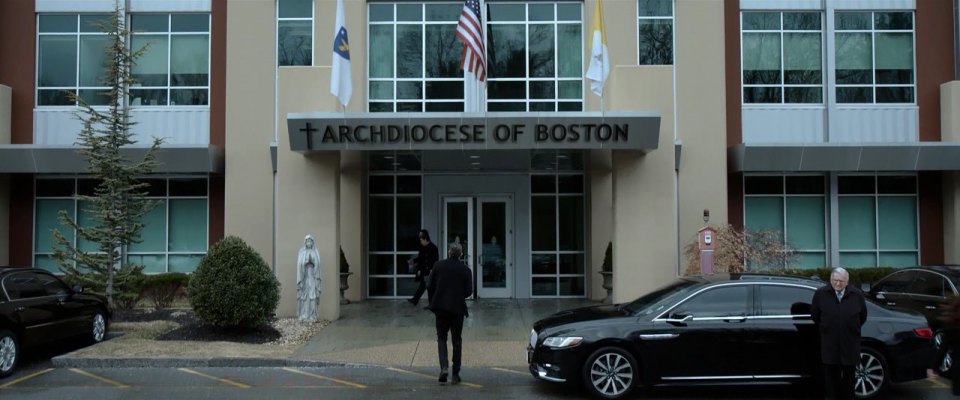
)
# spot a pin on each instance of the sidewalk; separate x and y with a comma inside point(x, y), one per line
point(382, 332)
point(393, 332)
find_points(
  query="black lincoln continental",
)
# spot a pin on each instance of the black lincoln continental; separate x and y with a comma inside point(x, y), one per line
point(719, 329)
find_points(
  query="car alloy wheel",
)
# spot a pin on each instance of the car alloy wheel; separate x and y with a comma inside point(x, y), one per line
point(8, 352)
point(945, 363)
point(870, 375)
point(610, 373)
point(938, 339)
point(99, 327)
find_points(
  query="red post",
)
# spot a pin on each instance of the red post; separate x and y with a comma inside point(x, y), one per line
point(706, 239)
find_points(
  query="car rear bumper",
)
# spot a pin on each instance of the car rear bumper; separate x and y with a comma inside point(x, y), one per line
point(911, 358)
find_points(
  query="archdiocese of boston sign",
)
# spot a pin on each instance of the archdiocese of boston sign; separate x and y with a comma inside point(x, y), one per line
point(471, 131)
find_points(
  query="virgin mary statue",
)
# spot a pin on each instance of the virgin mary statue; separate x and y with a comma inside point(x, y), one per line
point(308, 280)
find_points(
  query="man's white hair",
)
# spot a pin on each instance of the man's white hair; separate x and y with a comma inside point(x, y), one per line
point(840, 271)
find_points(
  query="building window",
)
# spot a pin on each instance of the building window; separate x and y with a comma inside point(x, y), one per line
point(795, 208)
point(294, 32)
point(173, 238)
point(71, 55)
point(175, 66)
point(875, 57)
point(655, 28)
point(535, 56)
point(878, 221)
point(414, 57)
point(557, 221)
point(782, 57)
point(394, 212)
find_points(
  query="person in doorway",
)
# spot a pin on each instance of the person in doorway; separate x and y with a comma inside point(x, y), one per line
point(308, 280)
point(451, 283)
point(426, 257)
point(839, 312)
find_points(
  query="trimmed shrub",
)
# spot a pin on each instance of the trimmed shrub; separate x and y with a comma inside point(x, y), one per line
point(162, 289)
point(868, 275)
point(233, 286)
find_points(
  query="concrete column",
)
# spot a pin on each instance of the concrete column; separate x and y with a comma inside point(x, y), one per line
point(248, 178)
point(5, 115)
point(601, 217)
point(308, 195)
point(352, 173)
point(644, 207)
point(701, 118)
point(950, 132)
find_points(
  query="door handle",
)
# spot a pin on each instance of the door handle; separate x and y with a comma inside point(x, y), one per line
point(20, 309)
point(930, 307)
point(891, 303)
point(735, 319)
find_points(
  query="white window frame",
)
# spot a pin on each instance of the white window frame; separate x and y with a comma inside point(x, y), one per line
point(873, 49)
point(783, 85)
point(673, 31)
point(77, 34)
point(169, 36)
point(313, 33)
point(783, 196)
point(876, 217)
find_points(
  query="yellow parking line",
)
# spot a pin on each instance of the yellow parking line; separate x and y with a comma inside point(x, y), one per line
point(431, 376)
point(937, 383)
point(512, 371)
point(23, 378)
point(297, 371)
point(224, 380)
point(99, 378)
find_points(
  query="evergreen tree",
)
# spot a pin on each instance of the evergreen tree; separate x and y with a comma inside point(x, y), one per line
point(119, 202)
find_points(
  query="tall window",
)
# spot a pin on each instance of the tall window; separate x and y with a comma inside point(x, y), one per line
point(71, 58)
point(878, 221)
point(175, 67)
point(782, 57)
point(295, 32)
point(414, 57)
point(557, 257)
point(393, 206)
point(535, 56)
point(794, 206)
point(174, 236)
point(874, 57)
point(655, 29)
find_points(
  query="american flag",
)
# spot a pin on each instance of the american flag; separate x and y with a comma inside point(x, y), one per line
point(470, 32)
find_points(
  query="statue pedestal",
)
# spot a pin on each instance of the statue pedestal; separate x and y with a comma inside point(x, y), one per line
point(344, 286)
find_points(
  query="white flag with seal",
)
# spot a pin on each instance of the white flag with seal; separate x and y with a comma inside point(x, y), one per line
point(340, 81)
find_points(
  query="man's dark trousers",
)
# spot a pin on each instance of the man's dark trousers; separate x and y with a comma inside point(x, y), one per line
point(419, 293)
point(840, 381)
point(447, 321)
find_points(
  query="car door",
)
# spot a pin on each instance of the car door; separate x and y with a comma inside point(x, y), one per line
point(783, 334)
point(70, 318)
point(928, 290)
point(697, 339)
point(892, 290)
point(33, 310)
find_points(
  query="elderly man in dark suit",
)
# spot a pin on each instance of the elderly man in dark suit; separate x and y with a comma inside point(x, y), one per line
point(451, 282)
point(839, 311)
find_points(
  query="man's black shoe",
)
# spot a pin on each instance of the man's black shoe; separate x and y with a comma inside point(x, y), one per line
point(455, 380)
point(412, 302)
point(443, 377)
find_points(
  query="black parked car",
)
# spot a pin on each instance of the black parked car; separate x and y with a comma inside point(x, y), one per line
point(921, 289)
point(718, 329)
point(36, 307)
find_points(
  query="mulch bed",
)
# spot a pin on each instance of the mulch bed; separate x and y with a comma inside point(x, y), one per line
point(192, 329)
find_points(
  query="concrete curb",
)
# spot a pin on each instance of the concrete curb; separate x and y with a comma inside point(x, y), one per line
point(68, 361)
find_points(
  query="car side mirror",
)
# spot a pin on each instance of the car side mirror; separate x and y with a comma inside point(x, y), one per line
point(865, 287)
point(880, 295)
point(679, 318)
point(77, 288)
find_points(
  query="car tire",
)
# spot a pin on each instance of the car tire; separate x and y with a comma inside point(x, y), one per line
point(9, 352)
point(611, 373)
point(98, 326)
point(871, 375)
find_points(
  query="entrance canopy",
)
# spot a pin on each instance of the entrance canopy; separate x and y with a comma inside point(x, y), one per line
point(473, 131)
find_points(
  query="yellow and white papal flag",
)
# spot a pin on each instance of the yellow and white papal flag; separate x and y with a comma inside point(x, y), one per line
point(599, 59)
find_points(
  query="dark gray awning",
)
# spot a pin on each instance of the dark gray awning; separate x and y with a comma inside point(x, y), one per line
point(39, 159)
point(917, 156)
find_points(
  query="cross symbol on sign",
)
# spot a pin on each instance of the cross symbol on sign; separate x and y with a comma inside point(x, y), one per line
point(308, 131)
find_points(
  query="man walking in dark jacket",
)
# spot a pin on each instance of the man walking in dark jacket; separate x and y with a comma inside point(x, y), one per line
point(451, 283)
point(839, 311)
point(426, 257)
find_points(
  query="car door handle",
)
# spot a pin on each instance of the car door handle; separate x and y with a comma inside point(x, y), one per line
point(930, 307)
point(735, 319)
point(20, 308)
point(891, 303)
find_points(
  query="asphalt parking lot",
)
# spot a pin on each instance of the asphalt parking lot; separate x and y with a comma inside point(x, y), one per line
point(358, 382)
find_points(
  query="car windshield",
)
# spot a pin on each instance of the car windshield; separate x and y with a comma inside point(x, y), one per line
point(659, 299)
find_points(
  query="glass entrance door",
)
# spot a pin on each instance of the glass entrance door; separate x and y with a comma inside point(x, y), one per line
point(484, 227)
